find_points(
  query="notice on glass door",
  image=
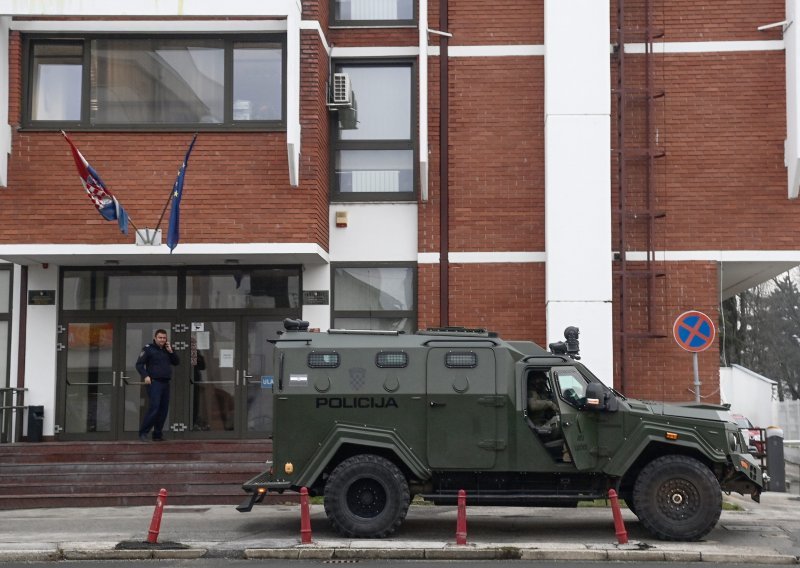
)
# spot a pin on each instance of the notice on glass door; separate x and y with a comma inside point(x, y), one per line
point(225, 358)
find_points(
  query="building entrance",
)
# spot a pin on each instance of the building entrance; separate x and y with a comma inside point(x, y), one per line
point(222, 387)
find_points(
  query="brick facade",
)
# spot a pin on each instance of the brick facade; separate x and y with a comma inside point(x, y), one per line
point(722, 183)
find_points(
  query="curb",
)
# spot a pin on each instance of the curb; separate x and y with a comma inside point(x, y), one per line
point(447, 552)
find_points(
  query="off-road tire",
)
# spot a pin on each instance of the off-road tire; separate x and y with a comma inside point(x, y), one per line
point(366, 496)
point(627, 496)
point(677, 498)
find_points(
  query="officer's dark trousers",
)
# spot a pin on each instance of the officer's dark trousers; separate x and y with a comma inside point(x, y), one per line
point(158, 393)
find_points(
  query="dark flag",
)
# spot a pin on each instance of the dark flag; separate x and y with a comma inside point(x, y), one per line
point(174, 230)
point(102, 198)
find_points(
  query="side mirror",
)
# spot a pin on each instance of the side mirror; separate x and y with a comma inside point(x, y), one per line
point(595, 397)
point(599, 398)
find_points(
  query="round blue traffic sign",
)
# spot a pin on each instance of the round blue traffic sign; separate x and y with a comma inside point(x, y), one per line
point(694, 331)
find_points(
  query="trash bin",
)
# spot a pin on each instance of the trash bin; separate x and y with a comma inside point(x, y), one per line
point(35, 423)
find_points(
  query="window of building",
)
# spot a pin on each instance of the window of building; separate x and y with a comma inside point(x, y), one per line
point(376, 297)
point(373, 12)
point(137, 82)
point(5, 323)
point(375, 161)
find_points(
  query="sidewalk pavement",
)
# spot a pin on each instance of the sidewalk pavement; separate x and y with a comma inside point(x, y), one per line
point(768, 533)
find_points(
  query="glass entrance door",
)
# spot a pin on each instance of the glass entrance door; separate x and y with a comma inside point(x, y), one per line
point(132, 392)
point(257, 377)
point(214, 378)
point(88, 381)
point(221, 389)
point(227, 361)
point(101, 394)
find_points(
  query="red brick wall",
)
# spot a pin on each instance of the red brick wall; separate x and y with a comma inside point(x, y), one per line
point(496, 140)
point(657, 368)
point(507, 298)
point(236, 190)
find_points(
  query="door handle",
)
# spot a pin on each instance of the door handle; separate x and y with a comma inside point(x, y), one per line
point(434, 404)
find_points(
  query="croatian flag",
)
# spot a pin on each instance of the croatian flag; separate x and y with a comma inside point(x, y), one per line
point(102, 198)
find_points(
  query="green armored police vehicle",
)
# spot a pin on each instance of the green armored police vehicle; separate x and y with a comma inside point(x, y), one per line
point(370, 419)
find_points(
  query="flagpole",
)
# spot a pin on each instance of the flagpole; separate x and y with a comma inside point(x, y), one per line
point(171, 191)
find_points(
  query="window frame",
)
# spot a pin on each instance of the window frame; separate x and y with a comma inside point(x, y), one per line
point(333, 21)
point(336, 144)
point(31, 39)
point(7, 317)
point(411, 314)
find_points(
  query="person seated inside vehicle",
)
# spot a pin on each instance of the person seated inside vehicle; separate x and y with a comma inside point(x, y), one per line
point(542, 410)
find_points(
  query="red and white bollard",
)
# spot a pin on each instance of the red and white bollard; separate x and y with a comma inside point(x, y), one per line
point(155, 524)
point(619, 526)
point(461, 522)
point(305, 517)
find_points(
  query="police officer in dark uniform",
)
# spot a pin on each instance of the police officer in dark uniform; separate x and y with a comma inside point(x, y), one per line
point(155, 367)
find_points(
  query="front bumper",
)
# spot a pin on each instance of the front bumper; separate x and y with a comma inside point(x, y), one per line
point(745, 476)
point(257, 488)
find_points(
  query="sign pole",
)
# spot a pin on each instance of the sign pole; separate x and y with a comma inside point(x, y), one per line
point(694, 331)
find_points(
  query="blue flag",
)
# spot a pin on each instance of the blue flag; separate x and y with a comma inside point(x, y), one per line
point(102, 198)
point(174, 230)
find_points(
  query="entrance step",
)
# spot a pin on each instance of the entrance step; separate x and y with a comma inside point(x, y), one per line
point(104, 474)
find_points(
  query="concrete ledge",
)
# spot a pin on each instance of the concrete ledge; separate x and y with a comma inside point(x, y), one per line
point(471, 553)
point(185, 553)
point(29, 555)
point(733, 558)
point(564, 554)
point(378, 554)
point(636, 555)
point(105, 554)
point(273, 553)
point(682, 556)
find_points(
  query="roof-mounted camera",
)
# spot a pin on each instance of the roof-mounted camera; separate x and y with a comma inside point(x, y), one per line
point(570, 347)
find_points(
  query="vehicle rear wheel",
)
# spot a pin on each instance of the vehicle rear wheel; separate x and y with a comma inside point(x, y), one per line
point(366, 496)
point(677, 498)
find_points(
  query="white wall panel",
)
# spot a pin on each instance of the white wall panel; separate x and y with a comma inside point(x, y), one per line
point(40, 346)
point(593, 320)
point(374, 232)
point(577, 176)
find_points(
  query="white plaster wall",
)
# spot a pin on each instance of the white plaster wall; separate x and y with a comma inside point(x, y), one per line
point(596, 339)
point(748, 393)
point(578, 177)
point(40, 352)
point(374, 233)
point(317, 277)
point(577, 77)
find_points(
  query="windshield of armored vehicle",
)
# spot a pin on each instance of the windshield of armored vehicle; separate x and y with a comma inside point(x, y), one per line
point(571, 386)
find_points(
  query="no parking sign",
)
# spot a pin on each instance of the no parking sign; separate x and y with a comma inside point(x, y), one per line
point(694, 331)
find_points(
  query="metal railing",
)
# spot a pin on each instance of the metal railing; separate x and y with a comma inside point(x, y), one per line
point(12, 403)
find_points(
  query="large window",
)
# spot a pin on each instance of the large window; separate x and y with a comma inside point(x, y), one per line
point(375, 297)
point(373, 12)
point(113, 82)
point(375, 161)
point(5, 322)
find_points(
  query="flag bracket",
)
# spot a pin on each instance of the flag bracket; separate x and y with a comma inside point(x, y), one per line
point(148, 237)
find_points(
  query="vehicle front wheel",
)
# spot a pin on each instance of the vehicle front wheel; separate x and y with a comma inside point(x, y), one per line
point(677, 498)
point(366, 496)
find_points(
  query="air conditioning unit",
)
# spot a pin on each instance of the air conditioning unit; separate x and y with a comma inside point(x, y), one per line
point(341, 91)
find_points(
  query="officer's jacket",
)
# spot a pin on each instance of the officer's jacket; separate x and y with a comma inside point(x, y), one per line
point(156, 362)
